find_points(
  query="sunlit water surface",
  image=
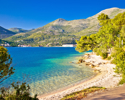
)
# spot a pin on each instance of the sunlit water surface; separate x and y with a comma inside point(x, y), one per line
point(47, 69)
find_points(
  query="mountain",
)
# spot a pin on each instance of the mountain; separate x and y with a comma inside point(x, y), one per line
point(4, 33)
point(18, 30)
point(62, 31)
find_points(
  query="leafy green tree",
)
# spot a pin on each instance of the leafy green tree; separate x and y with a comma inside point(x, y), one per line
point(82, 44)
point(86, 43)
point(103, 16)
point(121, 39)
point(119, 60)
point(5, 61)
point(106, 37)
point(93, 41)
point(110, 37)
point(103, 19)
point(119, 20)
point(14, 44)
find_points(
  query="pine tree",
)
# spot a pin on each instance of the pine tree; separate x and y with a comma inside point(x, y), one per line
point(5, 61)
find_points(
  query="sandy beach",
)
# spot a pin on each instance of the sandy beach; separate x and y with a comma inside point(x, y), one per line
point(106, 77)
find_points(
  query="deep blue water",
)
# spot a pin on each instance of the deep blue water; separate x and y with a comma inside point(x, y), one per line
point(46, 68)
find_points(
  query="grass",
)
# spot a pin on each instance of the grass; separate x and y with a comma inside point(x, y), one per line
point(82, 94)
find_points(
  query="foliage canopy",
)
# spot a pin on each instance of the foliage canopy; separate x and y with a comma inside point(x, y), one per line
point(110, 39)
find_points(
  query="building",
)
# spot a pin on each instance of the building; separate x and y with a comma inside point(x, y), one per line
point(68, 45)
point(5, 44)
point(24, 45)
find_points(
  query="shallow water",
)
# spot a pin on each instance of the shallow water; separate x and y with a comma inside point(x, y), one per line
point(46, 68)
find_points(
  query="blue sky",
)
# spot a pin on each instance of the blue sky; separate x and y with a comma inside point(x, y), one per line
point(29, 14)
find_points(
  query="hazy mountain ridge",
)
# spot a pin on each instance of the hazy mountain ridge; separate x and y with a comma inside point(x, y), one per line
point(4, 33)
point(62, 31)
point(18, 30)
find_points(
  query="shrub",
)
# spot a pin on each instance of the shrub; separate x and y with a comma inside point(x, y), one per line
point(95, 49)
point(109, 58)
point(122, 80)
point(104, 55)
point(98, 51)
point(21, 92)
point(81, 94)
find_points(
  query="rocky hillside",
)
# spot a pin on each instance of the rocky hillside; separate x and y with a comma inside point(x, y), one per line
point(4, 33)
point(62, 31)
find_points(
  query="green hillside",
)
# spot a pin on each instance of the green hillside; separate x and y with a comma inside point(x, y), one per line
point(62, 31)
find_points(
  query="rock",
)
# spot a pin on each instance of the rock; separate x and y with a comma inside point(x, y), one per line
point(97, 71)
point(103, 63)
point(93, 61)
point(99, 63)
point(92, 65)
point(97, 66)
point(80, 60)
point(87, 54)
point(87, 63)
point(78, 63)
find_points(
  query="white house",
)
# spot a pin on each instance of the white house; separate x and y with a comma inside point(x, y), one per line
point(67, 45)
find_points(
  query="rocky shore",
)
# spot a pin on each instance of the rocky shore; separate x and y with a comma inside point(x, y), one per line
point(106, 77)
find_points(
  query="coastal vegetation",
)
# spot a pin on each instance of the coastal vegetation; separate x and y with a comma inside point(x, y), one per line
point(108, 42)
point(83, 93)
point(17, 91)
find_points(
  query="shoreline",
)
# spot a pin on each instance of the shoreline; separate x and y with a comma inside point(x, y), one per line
point(105, 78)
point(64, 89)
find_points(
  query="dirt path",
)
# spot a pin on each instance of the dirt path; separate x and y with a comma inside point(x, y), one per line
point(117, 93)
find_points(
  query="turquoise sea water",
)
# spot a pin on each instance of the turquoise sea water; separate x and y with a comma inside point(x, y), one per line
point(46, 69)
